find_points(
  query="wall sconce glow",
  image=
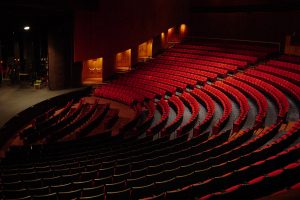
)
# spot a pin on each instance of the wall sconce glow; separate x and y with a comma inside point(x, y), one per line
point(182, 28)
point(26, 28)
point(170, 30)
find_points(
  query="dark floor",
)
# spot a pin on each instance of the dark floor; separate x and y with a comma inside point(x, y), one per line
point(16, 98)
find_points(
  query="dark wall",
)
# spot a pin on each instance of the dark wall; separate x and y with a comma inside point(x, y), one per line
point(229, 3)
point(118, 25)
point(262, 26)
point(60, 54)
point(265, 20)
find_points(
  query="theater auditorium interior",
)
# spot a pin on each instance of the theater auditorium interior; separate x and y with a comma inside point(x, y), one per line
point(149, 99)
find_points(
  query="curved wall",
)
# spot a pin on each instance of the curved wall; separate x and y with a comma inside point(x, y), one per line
point(113, 26)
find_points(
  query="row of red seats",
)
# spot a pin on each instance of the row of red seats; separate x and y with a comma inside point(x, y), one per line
point(226, 105)
point(172, 76)
point(179, 71)
point(199, 75)
point(228, 166)
point(290, 76)
point(147, 80)
point(178, 106)
point(142, 92)
point(285, 65)
point(259, 186)
point(249, 59)
point(210, 109)
point(285, 85)
point(258, 97)
point(240, 99)
point(277, 95)
point(82, 115)
point(214, 70)
point(71, 125)
point(150, 106)
point(141, 85)
point(177, 81)
point(39, 129)
point(265, 176)
point(224, 63)
point(53, 119)
point(64, 118)
point(194, 108)
point(224, 49)
point(93, 121)
point(164, 109)
point(117, 94)
point(44, 116)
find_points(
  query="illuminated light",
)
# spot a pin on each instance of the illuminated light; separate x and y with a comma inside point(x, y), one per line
point(26, 28)
point(182, 28)
point(123, 60)
point(145, 50)
point(170, 30)
point(92, 71)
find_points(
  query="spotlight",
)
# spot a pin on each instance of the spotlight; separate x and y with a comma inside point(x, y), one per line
point(26, 28)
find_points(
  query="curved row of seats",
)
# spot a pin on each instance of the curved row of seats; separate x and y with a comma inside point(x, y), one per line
point(154, 81)
point(259, 98)
point(249, 59)
point(194, 108)
point(135, 131)
point(209, 105)
point(240, 99)
point(178, 74)
point(226, 63)
point(170, 75)
point(284, 65)
point(281, 83)
point(288, 75)
point(42, 118)
point(95, 119)
point(80, 120)
point(178, 107)
point(123, 94)
point(211, 150)
point(228, 173)
point(53, 119)
point(141, 85)
point(181, 83)
point(41, 124)
point(190, 166)
point(51, 124)
point(225, 103)
point(164, 109)
point(178, 62)
point(277, 95)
